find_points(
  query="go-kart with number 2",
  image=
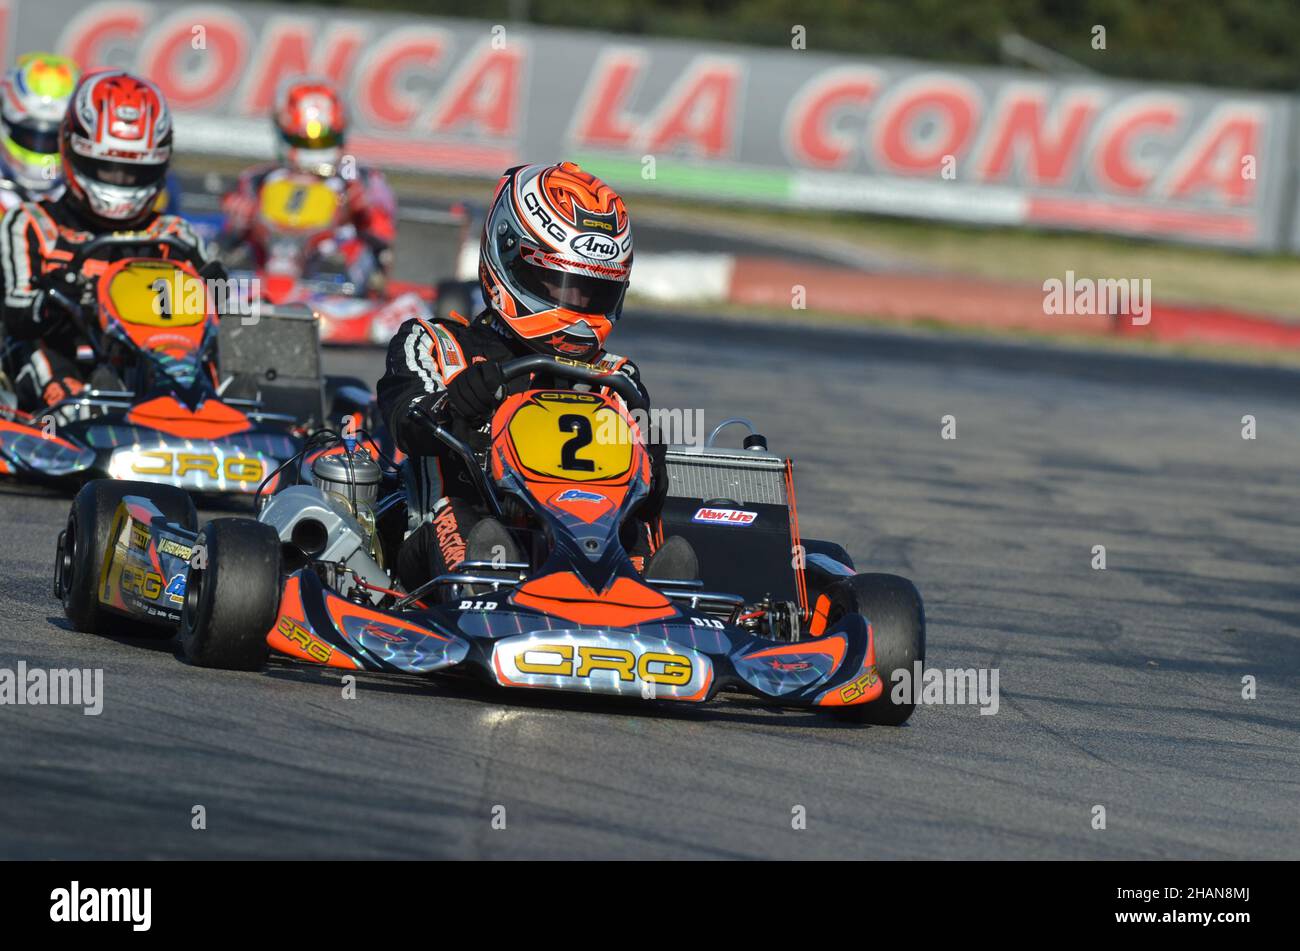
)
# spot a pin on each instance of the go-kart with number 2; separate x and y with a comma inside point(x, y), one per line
point(308, 579)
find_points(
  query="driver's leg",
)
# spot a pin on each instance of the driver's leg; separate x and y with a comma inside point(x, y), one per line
point(666, 559)
point(438, 520)
point(438, 544)
point(45, 377)
point(9, 354)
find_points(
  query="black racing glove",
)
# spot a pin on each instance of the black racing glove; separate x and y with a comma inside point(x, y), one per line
point(473, 394)
point(414, 432)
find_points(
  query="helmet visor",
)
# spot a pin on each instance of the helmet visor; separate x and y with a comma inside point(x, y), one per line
point(325, 140)
point(124, 174)
point(577, 292)
point(41, 139)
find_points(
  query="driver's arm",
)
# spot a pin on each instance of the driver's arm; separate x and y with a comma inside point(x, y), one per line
point(20, 258)
point(373, 210)
point(424, 361)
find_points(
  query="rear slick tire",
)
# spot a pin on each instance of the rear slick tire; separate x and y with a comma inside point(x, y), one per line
point(232, 601)
point(87, 541)
point(893, 607)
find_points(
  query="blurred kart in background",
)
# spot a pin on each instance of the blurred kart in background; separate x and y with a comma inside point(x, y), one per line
point(301, 254)
point(176, 396)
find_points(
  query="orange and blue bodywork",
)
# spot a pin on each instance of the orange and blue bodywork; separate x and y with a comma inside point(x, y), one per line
point(582, 621)
point(176, 430)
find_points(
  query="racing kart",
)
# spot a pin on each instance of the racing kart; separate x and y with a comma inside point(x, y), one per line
point(298, 220)
point(308, 578)
point(165, 403)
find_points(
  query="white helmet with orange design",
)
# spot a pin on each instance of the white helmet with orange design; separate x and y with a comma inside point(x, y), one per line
point(555, 258)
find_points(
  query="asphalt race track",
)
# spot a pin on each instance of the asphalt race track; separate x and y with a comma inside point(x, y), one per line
point(1120, 688)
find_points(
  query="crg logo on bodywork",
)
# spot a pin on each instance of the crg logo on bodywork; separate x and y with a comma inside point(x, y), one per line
point(601, 662)
point(212, 469)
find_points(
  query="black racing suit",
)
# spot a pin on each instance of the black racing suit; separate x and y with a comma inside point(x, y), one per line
point(36, 240)
point(444, 504)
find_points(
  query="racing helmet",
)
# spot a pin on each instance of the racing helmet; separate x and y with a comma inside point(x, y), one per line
point(116, 142)
point(555, 259)
point(33, 98)
point(310, 125)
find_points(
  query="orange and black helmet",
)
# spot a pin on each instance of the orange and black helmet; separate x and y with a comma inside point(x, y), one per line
point(555, 258)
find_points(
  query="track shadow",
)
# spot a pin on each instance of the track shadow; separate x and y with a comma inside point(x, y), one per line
point(158, 643)
point(34, 490)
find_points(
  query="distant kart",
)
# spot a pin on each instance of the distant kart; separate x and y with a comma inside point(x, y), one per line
point(297, 218)
point(158, 408)
point(346, 317)
point(308, 579)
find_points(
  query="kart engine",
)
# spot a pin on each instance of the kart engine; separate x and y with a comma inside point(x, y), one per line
point(331, 523)
point(352, 477)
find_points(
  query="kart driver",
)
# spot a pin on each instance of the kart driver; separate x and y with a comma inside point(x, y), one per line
point(33, 97)
point(311, 129)
point(545, 295)
point(115, 141)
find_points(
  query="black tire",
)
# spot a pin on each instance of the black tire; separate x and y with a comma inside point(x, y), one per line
point(893, 606)
point(232, 596)
point(453, 295)
point(87, 540)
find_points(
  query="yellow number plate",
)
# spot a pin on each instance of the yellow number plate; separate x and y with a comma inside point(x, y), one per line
point(298, 205)
point(157, 294)
point(571, 436)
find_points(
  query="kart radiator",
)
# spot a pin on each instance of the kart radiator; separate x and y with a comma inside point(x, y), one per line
point(277, 359)
point(733, 506)
point(742, 475)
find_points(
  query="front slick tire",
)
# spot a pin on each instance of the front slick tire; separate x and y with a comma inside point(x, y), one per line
point(232, 601)
point(893, 607)
point(86, 544)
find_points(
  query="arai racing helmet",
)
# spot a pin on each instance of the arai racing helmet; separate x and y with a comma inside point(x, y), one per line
point(116, 143)
point(555, 258)
point(33, 98)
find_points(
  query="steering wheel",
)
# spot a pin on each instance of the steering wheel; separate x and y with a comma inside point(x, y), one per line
point(68, 295)
point(178, 249)
point(620, 383)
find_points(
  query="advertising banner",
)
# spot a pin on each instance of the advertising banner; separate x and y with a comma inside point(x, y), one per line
point(793, 128)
